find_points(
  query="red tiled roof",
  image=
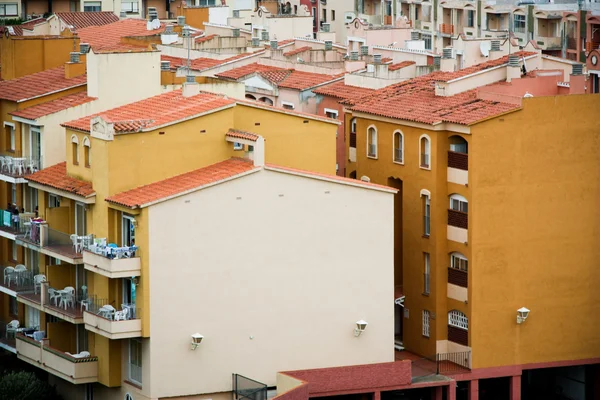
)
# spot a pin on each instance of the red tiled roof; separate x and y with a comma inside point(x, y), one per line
point(162, 190)
point(265, 106)
point(205, 38)
point(107, 38)
point(303, 80)
point(400, 65)
point(415, 99)
point(56, 177)
point(51, 107)
point(240, 72)
point(200, 64)
point(148, 114)
point(387, 60)
point(38, 84)
point(79, 20)
point(297, 51)
point(234, 133)
point(340, 90)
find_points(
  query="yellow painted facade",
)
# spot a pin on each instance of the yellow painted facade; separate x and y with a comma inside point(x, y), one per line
point(531, 237)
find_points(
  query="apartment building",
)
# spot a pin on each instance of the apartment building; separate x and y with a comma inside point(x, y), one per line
point(478, 229)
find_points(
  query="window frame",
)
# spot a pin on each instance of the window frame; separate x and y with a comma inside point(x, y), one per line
point(129, 363)
point(95, 8)
point(87, 152)
point(426, 274)
point(426, 323)
point(427, 38)
point(426, 212)
point(470, 18)
point(522, 21)
point(5, 5)
point(134, 9)
point(369, 142)
point(238, 146)
point(75, 149)
point(458, 320)
point(287, 105)
point(11, 141)
point(427, 152)
point(461, 201)
point(459, 262)
point(394, 149)
point(331, 111)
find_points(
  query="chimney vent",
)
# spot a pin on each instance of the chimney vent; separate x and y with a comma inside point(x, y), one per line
point(325, 27)
point(577, 69)
point(265, 35)
point(123, 14)
point(377, 58)
point(169, 29)
point(364, 50)
point(236, 13)
point(274, 45)
point(255, 42)
point(84, 48)
point(437, 62)
point(74, 57)
point(447, 52)
point(236, 32)
point(181, 20)
point(495, 45)
point(414, 35)
point(354, 56)
point(165, 65)
point(513, 61)
point(328, 45)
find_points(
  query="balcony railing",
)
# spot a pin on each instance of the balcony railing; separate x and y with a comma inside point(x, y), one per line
point(102, 318)
point(7, 337)
point(110, 260)
point(458, 219)
point(66, 303)
point(453, 362)
point(15, 165)
point(16, 280)
point(446, 29)
point(64, 244)
point(458, 160)
point(458, 277)
point(571, 43)
point(591, 45)
point(547, 43)
point(17, 224)
point(353, 139)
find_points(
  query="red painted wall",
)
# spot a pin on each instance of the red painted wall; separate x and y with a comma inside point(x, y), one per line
point(331, 103)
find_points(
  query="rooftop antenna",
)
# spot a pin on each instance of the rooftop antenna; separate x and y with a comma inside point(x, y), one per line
point(186, 33)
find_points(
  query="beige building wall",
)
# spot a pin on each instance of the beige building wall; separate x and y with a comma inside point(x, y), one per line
point(257, 265)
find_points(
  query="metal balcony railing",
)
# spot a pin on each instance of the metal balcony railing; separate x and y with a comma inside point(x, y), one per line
point(16, 165)
point(453, 362)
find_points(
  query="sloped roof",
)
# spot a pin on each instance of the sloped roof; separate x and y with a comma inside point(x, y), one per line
point(56, 177)
point(340, 90)
point(237, 134)
point(107, 38)
point(39, 84)
point(400, 65)
point(80, 19)
point(51, 107)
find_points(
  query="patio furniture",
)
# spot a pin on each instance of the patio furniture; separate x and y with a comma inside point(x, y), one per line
point(20, 274)
point(54, 295)
point(39, 335)
point(76, 243)
point(107, 311)
point(32, 166)
point(27, 225)
point(9, 275)
point(86, 301)
point(121, 315)
point(37, 282)
point(67, 296)
point(2, 164)
point(12, 327)
point(18, 166)
point(8, 165)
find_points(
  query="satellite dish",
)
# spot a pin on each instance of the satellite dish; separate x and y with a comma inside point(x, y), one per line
point(527, 95)
point(485, 47)
point(155, 24)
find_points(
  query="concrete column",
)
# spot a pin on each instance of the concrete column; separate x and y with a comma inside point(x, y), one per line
point(474, 390)
point(515, 387)
point(438, 393)
point(377, 396)
point(452, 391)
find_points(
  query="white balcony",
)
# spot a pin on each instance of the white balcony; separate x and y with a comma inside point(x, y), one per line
point(110, 328)
point(111, 268)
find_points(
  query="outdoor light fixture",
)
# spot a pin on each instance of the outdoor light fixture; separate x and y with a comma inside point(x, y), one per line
point(360, 327)
point(522, 314)
point(196, 340)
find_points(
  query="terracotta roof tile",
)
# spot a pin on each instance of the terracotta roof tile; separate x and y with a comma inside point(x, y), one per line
point(201, 64)
point(56, 177)
point(305, 80)
point(38, 84)
point(107, 38)
point(400, 65)
point(148, 114)
point(79, 20)
point(51, 107)
point(415, 99)
point(297, 51)
point(205, 38)
point(339, 90)
point(162, 190)
point(240, 72)
point(234, 133)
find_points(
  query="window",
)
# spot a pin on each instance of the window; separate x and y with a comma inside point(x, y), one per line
point(331, 113)
point(91, 6)
point(86, 152)
point(470, 18)
point(33, 198)
point(426, 272)
point(9, 10)
point(425, 151)
point(33, 317)
point(426, 317)
point(353, 125)
point(13, 193)
point(130, 7)
point(314, 14)
point(332, 15)
point(208, 2)
point(520, 23)
point(427, 40)
point(398, 147)
point(9, 130)
point(128, 397)
point(75, 149)
point(128, 230)
point(287, 106)
point(458, 320)
point(372, 142)
point(13, 308)
point(459, 203)
point(238, 146)
point(14, 252)
point(426, 201)
point(295, 9)
point(53, 201)
point(135, 361)
point(459, 262)
point(80, 219)
point(324, 19)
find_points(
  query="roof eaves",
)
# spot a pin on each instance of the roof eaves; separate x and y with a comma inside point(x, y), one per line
point(289, 112)
point(323, 83)
point(519, 108)
point(485, 70)
point(213, 110)
point(49, 93)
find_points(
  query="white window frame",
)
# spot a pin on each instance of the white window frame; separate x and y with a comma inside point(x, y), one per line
point(75, 139)
point(95, 5)
point(130, 7)
point(129, 375)
point(459, 262)
point(238, 146)
point(427, 39)
point(427, 152)
point(86, 143)
point(369, 141)
point(523, 20)
point(353, 125)
point(459, 203)
point(287, 105)
point(331, 111)
point(3, 8)
point(426, 273)
point(426, 324)
point(427, 212)
point(13, 135)
point(394, 158)
point(458, 320)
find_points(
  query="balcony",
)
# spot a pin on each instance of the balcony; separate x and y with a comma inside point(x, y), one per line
point(590, 45)
point(16, 281)
point(103, 319)
point(458, 223)
point(65, 247)
point(447, 29)
point(64, 303)
point(571, 43)
point(7, 338)
point(14, 166)
point(75, 368)
point(458, 167)
point(458, 277)
point(112, 262)
point(13, 225)
point(549, 43)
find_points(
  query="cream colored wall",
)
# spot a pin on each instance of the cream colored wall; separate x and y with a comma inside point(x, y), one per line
point(278, 292)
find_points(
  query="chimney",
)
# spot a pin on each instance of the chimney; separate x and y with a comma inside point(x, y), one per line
point(495, 50)
point(447, 62)
point(255, 42)
point(236, 32)
point(181, 20)
point(364, 50)
point(377, 58)
point(513, 71)
point(437, 62)
point(354, 56)
point(165, 65)
point(328, 45)
point(325, 27)
point(577, 80)
point(123, 14)
point(414, 35)
point(236, 13)
point(84, 48)
point(190, 87)
point(265, 35)
point(74, 67)
point(274, 45)
point(258, 155)
point(74, 57)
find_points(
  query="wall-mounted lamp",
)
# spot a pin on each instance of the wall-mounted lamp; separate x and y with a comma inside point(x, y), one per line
point(360, 327)
point(196, 340)
point(522, 314)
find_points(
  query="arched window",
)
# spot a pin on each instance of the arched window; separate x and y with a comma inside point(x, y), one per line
point(426, 205)
point(458, 320)
point(353, 125)
point(266, 100)
point(459, 262)
point(458, 144)
point(87, 155)
point(75, 149)
point(372, 142)
point(249, 96)
point(425, 151)
point(398, 147)
point(459, 203)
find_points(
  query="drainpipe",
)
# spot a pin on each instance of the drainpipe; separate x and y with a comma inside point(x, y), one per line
point(168, 8)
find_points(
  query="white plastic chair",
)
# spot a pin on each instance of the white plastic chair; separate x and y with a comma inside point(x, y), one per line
point(37, 282)
point(54, 295)
point(27, 225)
point(68, 297)
point(107, 311)
point(75, 239)
point(121, 315)
point(18, 166)
point(32, 166)
point(9, 274)
point(2, 163)
point(20, 271)
point(12, 326)
point(8, 164)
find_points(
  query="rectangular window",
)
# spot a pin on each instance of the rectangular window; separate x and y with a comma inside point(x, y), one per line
point(332, 15)
point(238, 146)
point(53, 201)
point(427, 40)
point(426, 318)
point(12, 306)
point(520, 23)
point(426, 273)
point(207, 2)
point(135, 361)
point(33, 199)
point(331, 113)
point(9, 10)
point(130, 7)
point(287, 106)
point(33, 317)
point(13, 192)
point(458, 205)
point(470, 18)
point(9, 130)
point(91, 6)
point(75, 149)
point(426, 216)
point(459, 263)
point(14, 251)
point(314, 14)
point(324, 19)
